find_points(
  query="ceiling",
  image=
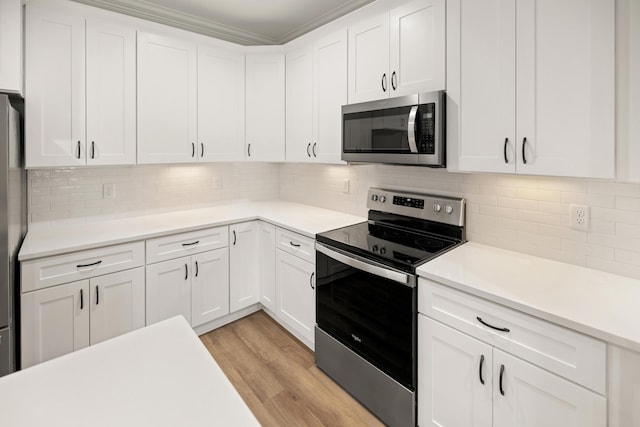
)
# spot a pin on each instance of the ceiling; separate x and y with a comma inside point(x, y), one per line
point(247, 22)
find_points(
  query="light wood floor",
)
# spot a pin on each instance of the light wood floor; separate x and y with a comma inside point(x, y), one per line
point(276, 376)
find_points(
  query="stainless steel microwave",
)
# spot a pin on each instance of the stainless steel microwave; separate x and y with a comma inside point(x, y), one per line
point(407, 130)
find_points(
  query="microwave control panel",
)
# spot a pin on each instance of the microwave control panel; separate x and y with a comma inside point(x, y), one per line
point(428, 125)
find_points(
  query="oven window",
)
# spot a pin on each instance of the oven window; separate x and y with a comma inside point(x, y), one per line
point(371, 315)
point(382, 131)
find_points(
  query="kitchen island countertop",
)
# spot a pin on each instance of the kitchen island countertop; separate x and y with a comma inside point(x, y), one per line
point(161, 375)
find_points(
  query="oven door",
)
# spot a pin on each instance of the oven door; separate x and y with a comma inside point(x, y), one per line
point(369, 308)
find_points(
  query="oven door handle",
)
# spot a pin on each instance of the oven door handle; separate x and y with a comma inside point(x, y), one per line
point(367, 266)
point(411, 129)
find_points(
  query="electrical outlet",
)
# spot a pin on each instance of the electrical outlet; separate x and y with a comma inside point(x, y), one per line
point(580, 217)
point(109, 191)
point(216, 183)
point(346, 184)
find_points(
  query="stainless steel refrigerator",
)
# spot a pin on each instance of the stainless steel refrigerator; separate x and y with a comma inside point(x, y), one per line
point(12, 228)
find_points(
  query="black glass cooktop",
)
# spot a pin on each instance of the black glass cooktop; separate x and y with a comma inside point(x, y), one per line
point(397, 247)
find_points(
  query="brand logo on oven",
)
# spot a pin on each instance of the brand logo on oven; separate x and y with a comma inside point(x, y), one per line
point(356, 338)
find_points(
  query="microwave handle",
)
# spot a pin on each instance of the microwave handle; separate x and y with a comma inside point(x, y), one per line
point(411, 129)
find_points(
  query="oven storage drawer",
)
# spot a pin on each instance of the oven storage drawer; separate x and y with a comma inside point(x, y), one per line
point(296, 244)
point(185, 244)
point(575, 356)
point(55, 270)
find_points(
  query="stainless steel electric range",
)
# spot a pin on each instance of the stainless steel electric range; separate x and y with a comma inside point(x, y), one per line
point(366, 296)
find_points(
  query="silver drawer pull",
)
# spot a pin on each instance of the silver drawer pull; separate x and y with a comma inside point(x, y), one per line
point(89, 265)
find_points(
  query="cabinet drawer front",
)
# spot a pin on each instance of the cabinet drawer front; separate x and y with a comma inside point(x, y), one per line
point(296, 244)
point(50, 271)
point(575, 356)
point(184, 244)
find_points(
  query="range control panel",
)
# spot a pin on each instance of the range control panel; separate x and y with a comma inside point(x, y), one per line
point(448, 210)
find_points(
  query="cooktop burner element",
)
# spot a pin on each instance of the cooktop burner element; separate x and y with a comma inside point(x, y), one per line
point(403, 230)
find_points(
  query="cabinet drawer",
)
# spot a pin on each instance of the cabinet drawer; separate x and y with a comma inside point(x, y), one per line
point(575, 356)
point(184, 244)
point(55, 270)
point(296, 244)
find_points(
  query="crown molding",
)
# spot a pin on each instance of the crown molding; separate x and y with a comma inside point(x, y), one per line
point(174, 18)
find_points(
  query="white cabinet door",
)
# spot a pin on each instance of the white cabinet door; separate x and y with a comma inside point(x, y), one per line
point(55, 88)
point(417, 47)
point(452, 367)
point(11, 46)
point(295, 284)
point(111, 94)
point(167, 99)
point(243, 265)
point(299, 104)
point(267, 256)
point(117, 304)
point(566, 87)
point(369, 60)
point(525, 395)
point(55, 321)
point(481, 104)
point(220, 105)
point(168, 290)
point(209, 286)
point(329, 95)
point(265, 107)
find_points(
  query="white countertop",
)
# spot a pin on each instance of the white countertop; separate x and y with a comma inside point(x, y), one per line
point(593, 302)
point(161, 375)
point(303, 219)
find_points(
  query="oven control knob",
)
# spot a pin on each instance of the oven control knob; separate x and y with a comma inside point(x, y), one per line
point(383, 199)
point(383, 251)
point(437, 207)
point(374, 248)
point(448, 209)
point(374, 197)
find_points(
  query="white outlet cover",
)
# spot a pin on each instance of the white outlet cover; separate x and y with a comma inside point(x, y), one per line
point(579, 217)
point(346, 186)
point(109, 191)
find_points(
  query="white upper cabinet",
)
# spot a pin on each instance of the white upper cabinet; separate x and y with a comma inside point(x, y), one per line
point(329, 95)
point(80, 90)
point(54, 88)
point(316, 90)
point(417, 47)
point(265, 107)
point(550, 94)
point(369, 60)
point(299, 103)
point(11, 46)
point(220, 105)
point(167, 99)
point(398, 53)
point(111, 94)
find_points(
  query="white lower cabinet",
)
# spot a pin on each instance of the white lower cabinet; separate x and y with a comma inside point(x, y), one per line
point(209, 286)
point(453, 367)
point(296, 298)
point(244, 264)
point(267, 251)
point(200, 282)
point(61, 319)
point(474, 381)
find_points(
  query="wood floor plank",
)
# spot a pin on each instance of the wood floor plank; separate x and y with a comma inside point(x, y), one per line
point(277, 377)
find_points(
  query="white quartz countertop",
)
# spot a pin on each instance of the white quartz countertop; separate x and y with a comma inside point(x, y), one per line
point(161, 375)
point(306, 220)
point(593, 302)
